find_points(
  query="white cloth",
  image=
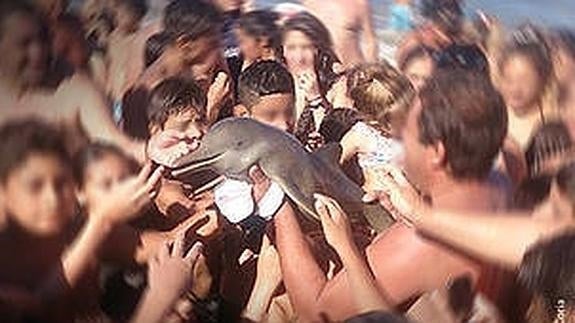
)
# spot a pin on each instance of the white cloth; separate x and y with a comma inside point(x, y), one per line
point(378, 150)
point(235, 201)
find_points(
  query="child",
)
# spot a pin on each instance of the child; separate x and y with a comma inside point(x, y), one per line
point(382, 96)
point(258, 36)
point(178, 105)
point(38, 210)
point(266, 93)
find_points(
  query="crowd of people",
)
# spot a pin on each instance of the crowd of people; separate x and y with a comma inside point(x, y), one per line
point(464, 136)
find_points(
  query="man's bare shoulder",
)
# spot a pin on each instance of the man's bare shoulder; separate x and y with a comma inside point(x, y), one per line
point(76, 85)
point(77, 91)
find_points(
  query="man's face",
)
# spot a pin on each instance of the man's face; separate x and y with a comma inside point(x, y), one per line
point(417, 158)
point(39, 195)
point(203, 59)
point(276, 110)
point(24, 51)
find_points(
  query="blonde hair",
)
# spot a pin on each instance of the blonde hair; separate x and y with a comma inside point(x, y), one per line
point(380, 93)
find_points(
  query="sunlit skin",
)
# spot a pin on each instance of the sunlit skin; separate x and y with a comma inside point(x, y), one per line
point(351, 27)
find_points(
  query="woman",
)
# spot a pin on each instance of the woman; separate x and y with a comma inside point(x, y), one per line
point(309, 56)
point(528, 86)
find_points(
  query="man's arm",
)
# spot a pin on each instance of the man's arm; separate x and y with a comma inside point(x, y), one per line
point(499, 238)
point(503, 238)
point(96, 119)
point(368, 34)
point(396, 260)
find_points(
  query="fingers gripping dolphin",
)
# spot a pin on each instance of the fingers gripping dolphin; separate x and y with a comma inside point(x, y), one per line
point(233, 145)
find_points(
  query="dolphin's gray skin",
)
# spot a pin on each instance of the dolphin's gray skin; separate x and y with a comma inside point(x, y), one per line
point(233, 145)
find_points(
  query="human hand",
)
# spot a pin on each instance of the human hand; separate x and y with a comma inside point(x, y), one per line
point(398, 196)
point(217, 92)
point(127, 198)
point(335, 224)
point(261, 183)
point(170, 272)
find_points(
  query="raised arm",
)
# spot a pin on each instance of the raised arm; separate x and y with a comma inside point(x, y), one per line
point(368, 34)
point(502, 238)
point(337, 230)
point(395, 259)
point(96, 118)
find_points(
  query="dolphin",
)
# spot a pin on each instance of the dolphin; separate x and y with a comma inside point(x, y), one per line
point(234, 145)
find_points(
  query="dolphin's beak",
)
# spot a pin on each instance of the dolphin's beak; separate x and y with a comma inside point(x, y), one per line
point(196, 161)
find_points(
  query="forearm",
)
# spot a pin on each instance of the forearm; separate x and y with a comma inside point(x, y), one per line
point(77, 259)
point(362, 284)
point(303, 278)
point(499, 238)
point(371, 48)
point(152, 309)
point(258, 302)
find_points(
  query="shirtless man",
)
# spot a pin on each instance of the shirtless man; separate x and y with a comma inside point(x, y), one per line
point(351, 27)
point(452, 135)
point(29, 89)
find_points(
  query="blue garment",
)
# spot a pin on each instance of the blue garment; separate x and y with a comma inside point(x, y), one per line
point(401, 17)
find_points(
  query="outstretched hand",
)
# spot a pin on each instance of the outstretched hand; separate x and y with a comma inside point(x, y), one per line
point(398, 196)
point(170, 272)
point(126, 199)
point(334, 222)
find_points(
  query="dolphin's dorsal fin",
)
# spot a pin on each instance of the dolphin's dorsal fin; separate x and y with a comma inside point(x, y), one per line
point(329, 153)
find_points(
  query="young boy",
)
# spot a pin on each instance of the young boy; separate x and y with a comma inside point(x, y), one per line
point(37, 207)
point(266, 94)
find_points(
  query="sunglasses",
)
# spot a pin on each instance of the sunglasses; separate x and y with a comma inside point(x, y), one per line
point(535, 190)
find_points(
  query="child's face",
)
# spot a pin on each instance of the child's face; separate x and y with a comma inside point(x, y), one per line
point(251, 48)
point(102, 175)
point(277, 110)
point(39, 195)
point(188, 122)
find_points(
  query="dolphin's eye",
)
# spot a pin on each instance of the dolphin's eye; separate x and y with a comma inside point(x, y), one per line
point(239, 143)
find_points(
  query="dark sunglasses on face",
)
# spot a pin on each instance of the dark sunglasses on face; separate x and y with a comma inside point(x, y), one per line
point(535, 190)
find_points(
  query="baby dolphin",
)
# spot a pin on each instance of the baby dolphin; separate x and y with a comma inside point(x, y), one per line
point(234, 145)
